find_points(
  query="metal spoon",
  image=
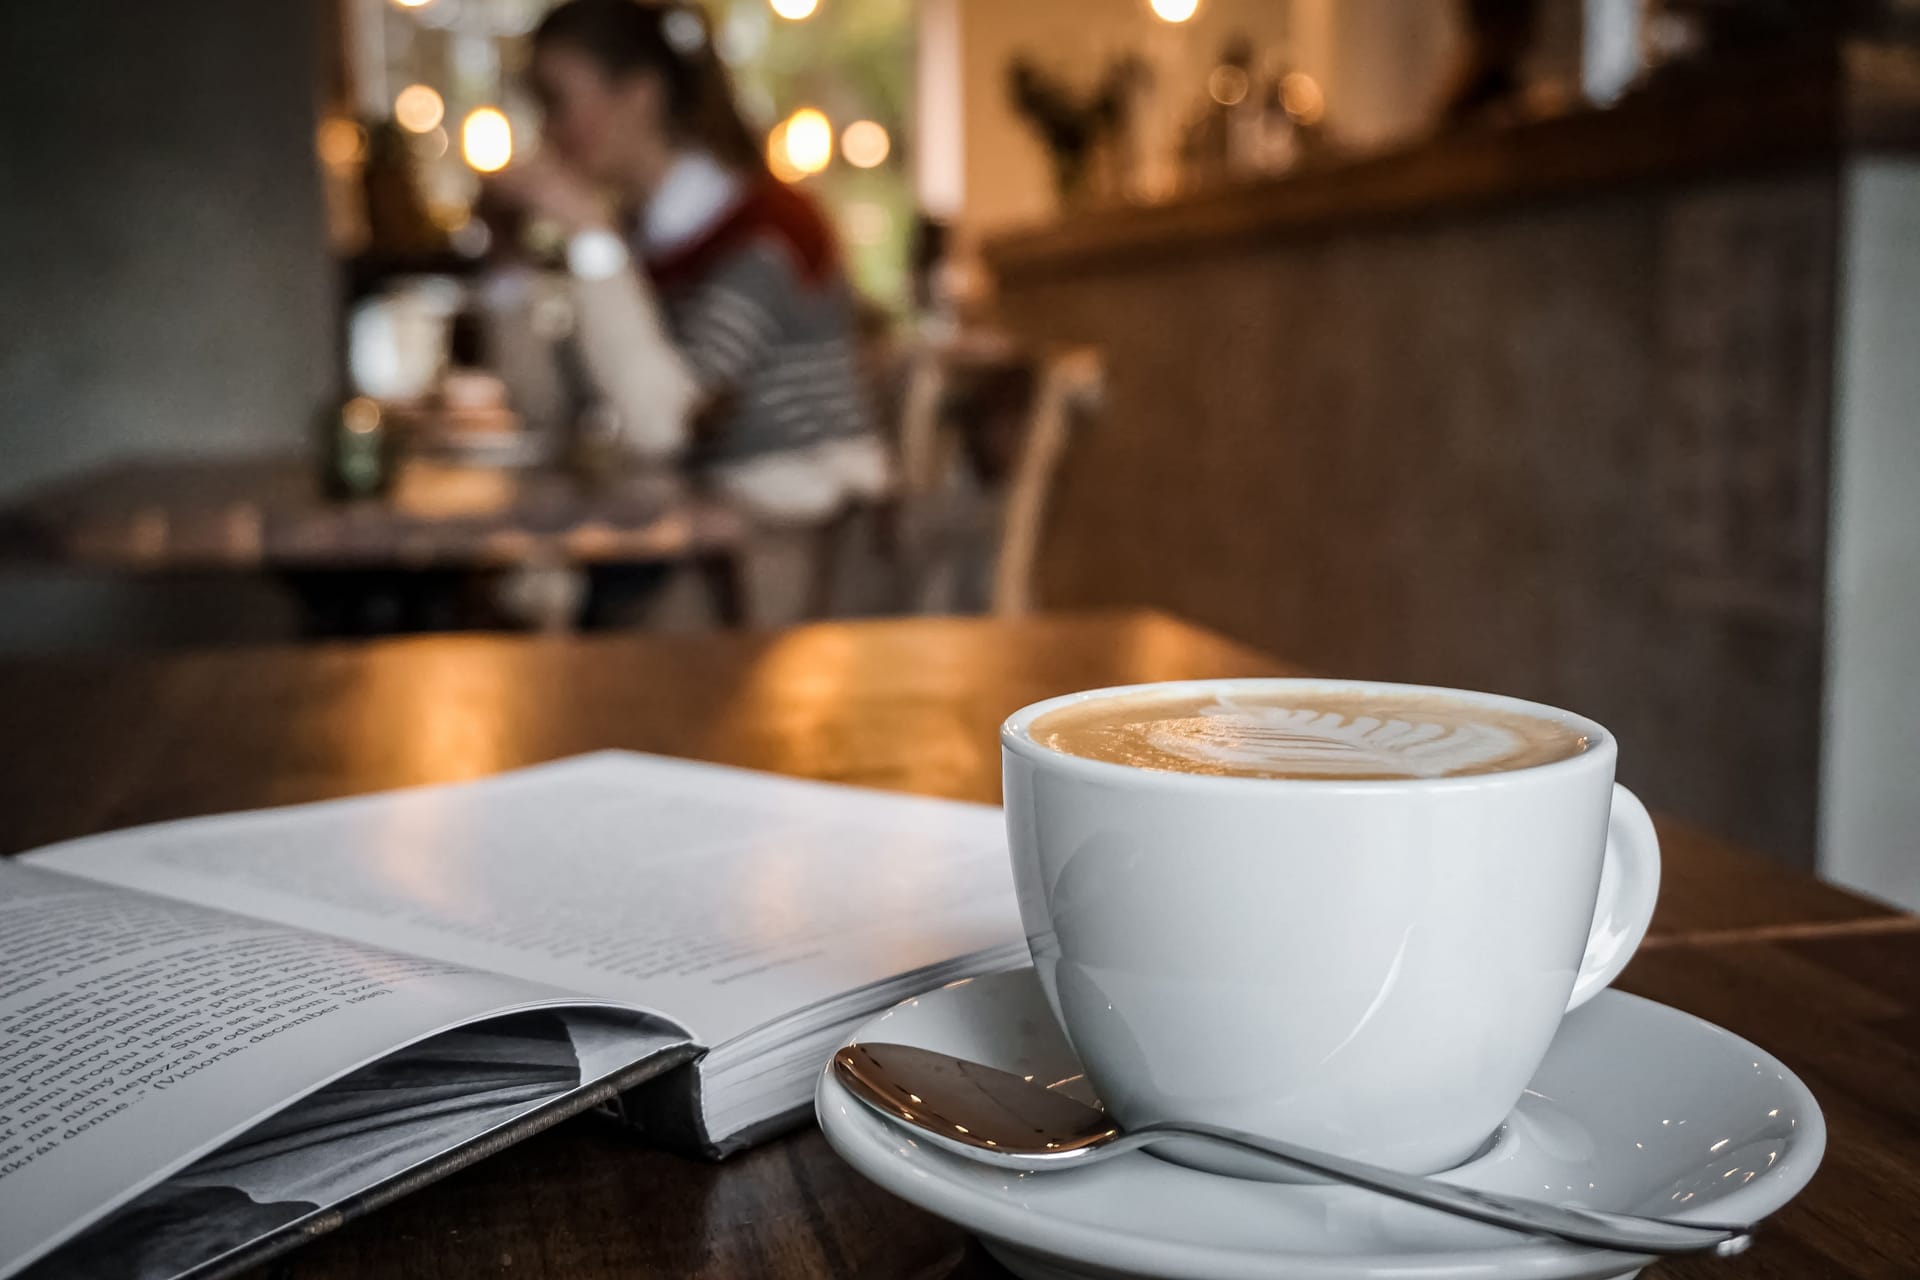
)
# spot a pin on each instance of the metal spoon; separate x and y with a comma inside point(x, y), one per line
point(999, 1118)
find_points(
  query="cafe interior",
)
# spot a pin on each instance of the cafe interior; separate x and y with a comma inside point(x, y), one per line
point(400, 392)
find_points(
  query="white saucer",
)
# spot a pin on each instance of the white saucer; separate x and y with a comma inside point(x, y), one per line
point(1638, 1108)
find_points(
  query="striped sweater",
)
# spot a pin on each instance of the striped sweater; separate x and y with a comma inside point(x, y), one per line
point(763, 316)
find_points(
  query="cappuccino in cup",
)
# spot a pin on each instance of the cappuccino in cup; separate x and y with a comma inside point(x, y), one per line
point(1328, 732)
point(1342, 914)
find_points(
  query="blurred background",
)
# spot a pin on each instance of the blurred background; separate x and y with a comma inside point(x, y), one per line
point(1564, 348)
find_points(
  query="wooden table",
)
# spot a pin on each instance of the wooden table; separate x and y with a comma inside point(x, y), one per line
point(270, 513)
point(370, 564)
point(1826, 980)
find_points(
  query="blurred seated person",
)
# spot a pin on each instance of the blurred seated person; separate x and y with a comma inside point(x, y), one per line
point(712, 314)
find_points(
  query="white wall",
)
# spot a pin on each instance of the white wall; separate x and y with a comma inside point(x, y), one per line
point(1379, 61)
point(1870, 766)
point(939, 111)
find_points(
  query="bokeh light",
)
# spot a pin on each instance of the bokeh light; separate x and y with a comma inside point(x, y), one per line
point(1174, 10)
point(808, 140)
point(419, 109)
point(361, 415)
point(486, 140)
point(1300, 94)
point(794, 10)
point(1228, 85)
point(341, 142)
point(777, 161)
point(742, 36)
point(865, 144)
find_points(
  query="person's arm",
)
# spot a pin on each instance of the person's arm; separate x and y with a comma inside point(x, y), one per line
point(623, 340)
point(658, 387)
point(627, 351)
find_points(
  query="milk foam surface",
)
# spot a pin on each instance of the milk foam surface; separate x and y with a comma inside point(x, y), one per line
point(1308, 733)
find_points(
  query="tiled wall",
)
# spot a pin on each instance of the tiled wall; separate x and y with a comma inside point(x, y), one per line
point(1571, 450)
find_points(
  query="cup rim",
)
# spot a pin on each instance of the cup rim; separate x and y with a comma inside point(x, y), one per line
point(1016, 738)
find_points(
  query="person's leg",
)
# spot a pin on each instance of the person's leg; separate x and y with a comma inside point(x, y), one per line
point(621, 595)
point(780, 570)
point(793, 502)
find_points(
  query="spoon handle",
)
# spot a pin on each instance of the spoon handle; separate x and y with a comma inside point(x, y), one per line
point(1623, 1232)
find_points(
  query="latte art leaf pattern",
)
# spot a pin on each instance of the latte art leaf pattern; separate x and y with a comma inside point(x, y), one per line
point(1301, 742)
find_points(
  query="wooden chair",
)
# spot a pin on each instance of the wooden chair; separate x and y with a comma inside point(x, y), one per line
point(984, 427)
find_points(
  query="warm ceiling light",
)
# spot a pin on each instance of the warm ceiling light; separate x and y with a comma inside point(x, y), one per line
point(865, 143)
point(1174, 10)
point(418, 109)
point(808, 141)
point(794, 10)
point(413, 4)
point(486, 140)
point(777, 160)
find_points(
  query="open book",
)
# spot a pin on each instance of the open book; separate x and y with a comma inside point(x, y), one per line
point(218, 1035)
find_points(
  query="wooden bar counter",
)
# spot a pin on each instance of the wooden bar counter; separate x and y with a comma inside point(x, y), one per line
point(1548, 409)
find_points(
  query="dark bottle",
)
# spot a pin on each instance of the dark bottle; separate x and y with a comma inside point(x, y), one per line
point(359, 450)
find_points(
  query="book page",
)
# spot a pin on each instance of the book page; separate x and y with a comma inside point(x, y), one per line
point(721, 897)
point(139, 1032)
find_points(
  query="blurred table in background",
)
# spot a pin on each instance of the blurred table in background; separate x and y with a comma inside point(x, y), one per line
point(271, 516)
point(1828, 981)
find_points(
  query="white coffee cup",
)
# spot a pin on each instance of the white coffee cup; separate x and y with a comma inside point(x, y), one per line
point(1371, 968)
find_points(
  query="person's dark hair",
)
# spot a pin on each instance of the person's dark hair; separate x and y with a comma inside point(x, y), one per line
point(673, 41)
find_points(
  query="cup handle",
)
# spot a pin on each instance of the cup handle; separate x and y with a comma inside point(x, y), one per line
point(1629, 883)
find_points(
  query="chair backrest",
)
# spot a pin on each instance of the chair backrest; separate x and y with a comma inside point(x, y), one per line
point(984, 427)
point(1071, 384)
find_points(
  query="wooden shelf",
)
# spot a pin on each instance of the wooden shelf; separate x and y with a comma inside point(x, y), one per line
point(1789, 109)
